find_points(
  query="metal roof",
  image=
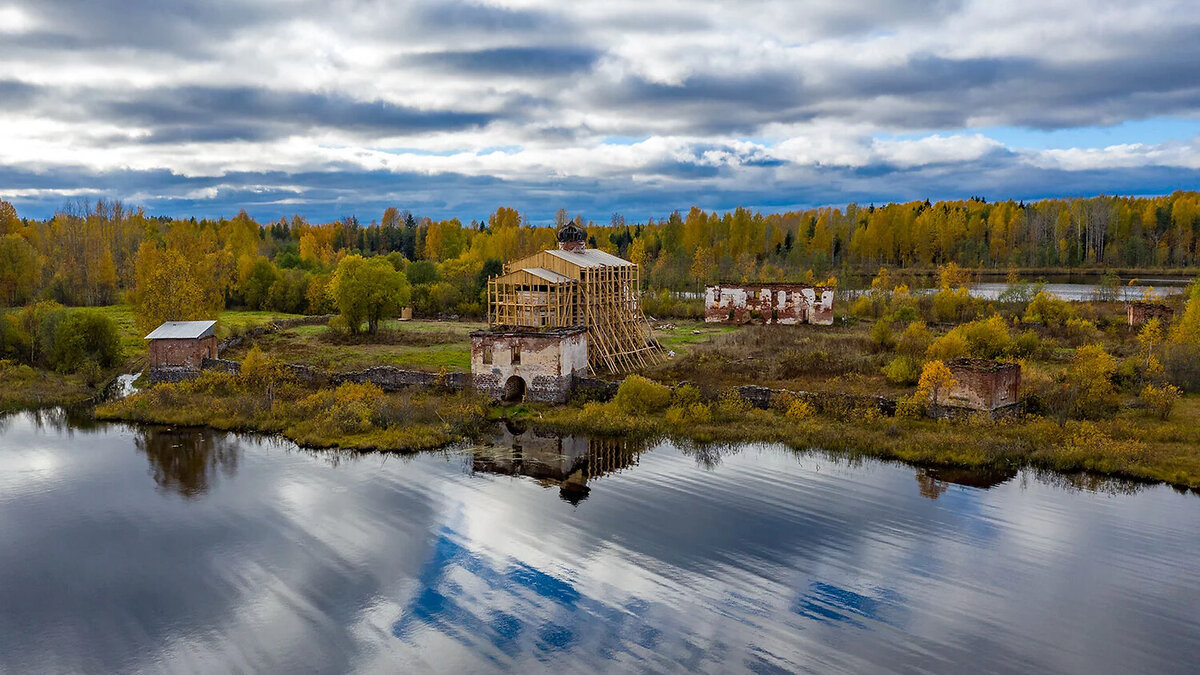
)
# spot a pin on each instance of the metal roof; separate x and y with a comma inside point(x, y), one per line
point(548, 275)
point(182, 330)
point(590, 257)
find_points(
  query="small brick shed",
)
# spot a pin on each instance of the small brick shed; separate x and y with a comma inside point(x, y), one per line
point(182, 344)
point(982, 384)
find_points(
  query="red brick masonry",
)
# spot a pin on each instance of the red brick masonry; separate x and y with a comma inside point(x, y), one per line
point(982, 384)
point(182, 352)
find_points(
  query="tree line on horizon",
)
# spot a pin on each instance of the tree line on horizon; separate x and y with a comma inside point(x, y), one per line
point(91, 254)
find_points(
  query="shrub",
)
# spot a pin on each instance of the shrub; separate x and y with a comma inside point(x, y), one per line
point(257, 366)
point(950, 305)
point(731, 406)
point(1028, 345)
point(881, 335)
point(989, 338)
point(1182, 365)
point(80, 336)
point(638, 396)
point(1160, 400)
point(915, 340)
point(1081, 332)
point(801, 410)
point(685, 395)
point(903, 369)
point(986, 339)
point(352, 408)
point(14, 343)
point(864, 306)
point(949, 346)
point(695, 413)
point(1047, 309)
point(1091, 392)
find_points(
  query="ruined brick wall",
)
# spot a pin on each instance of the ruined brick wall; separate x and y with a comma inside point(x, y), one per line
point(547, 368)
point(984, 389)
point(824, 402)
point(787, 304)
point(181, 353)
point(1141, 312)
point(389, 378)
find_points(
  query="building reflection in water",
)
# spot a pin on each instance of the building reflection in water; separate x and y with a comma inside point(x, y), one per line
point(186, 461)
point(566, 462)
point(933, 482)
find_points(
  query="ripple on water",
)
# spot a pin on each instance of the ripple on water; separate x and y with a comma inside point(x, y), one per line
point(161, 549)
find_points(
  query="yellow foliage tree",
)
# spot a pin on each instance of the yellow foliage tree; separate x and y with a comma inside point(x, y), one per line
point(935, 381)
point(170, 287)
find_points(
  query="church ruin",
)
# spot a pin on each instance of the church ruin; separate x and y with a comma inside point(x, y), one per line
point(768, 303)
point(574, 285)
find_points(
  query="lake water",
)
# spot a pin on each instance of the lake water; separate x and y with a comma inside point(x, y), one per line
point(156, 550)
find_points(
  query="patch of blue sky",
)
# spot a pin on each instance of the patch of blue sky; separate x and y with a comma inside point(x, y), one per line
point(505, 149)
point(623, 140)
point(418, 151)
point(1150, 131)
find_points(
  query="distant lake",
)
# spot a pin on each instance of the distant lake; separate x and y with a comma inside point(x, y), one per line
point(128, 548)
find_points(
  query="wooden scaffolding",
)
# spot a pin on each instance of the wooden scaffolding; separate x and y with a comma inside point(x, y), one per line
point(585, 287)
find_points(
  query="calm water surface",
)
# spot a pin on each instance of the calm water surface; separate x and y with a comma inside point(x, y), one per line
point(137, 549)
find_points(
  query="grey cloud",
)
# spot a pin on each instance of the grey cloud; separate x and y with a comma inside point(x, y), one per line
point(454, 15)
point(929, 91)
point(336, 191)
point(197, 105)
point(197, 113)
point(541, 61)
point(707, 103)
point(16, 94)
point(841, 17)
point(180, 27)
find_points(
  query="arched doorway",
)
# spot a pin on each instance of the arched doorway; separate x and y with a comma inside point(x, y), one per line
point(514, 389)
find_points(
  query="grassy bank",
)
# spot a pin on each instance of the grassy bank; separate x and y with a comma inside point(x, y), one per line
point(359, 416)
point(24, 387)
point(1131, 445)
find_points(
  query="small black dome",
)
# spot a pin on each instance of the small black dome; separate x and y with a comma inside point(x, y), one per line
point(571, 232)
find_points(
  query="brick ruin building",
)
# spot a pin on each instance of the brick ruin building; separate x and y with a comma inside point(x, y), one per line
point(1141, 312)
point(529, 364)
point(576, 286)
point(178, 348)
point(980, 384)
point(782, 303)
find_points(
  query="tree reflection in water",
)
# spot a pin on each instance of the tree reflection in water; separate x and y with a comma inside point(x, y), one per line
point(186, 461)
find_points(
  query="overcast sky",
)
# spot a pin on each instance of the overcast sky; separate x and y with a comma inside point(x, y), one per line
point(335, 107)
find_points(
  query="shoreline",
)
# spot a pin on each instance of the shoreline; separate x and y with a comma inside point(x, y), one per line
point(1129, 447)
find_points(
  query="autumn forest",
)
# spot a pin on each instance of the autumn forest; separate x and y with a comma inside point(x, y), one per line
point(105, 252)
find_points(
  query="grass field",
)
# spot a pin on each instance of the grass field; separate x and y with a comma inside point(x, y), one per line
point(420, 345)
point(133, 346)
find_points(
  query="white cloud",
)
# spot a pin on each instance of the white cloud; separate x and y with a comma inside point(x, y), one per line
point(733, 88)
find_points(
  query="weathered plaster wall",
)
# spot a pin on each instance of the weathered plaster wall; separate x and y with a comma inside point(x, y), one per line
point(548, 363)
point(787, 304)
